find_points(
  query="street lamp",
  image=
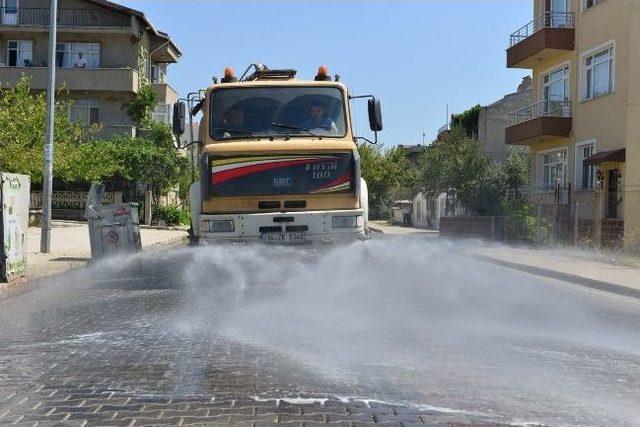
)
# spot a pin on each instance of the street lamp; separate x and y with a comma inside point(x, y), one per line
point(47, 181)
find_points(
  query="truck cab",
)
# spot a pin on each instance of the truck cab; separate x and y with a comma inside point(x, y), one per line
point(279, 161)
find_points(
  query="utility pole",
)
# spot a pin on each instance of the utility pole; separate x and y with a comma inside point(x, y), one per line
point(47, 181)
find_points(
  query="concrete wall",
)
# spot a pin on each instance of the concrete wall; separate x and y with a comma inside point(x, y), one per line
point(494, 119)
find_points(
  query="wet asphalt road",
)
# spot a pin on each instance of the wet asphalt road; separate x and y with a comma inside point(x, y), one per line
point(396, 331)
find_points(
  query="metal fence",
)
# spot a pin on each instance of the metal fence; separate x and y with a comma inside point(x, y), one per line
point(600, 217)
point(604, 217)
point(67, 199)
point(40, 17)
point(541, 109)
point(546, 20)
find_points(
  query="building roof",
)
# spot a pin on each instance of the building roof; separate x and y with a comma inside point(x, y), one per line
point(143, 17)
point(613, 156)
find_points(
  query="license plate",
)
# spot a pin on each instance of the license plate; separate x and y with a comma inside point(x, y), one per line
point(283, 238)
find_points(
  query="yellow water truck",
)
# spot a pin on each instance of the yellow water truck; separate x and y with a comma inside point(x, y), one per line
point(278, 160)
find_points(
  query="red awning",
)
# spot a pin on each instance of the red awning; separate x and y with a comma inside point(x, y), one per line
point(613, 156)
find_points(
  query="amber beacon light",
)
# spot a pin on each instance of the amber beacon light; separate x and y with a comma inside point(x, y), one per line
point(323, 73)
point(229, 76)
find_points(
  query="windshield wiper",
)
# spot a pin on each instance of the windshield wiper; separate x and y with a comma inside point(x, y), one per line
point(294, 127)
point(233, 130)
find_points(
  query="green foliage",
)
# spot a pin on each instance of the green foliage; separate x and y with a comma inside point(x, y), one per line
point(458, 163)
point(141, 107)
point(388, 176)
point(516, 168)
point(171, 215)
point(151, 159)
point(524, 220)
point(22, 132)
point(467, 121)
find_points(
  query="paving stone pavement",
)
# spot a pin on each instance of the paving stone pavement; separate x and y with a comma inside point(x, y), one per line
point(98, 348)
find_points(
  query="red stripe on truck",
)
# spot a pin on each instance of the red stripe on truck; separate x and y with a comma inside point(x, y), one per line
point(220, 177)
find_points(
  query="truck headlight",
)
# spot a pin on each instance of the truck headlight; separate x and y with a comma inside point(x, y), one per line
point(226, 226)
point(347, 221)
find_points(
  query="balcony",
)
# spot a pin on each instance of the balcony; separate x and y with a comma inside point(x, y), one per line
point(539, 122)
point(546, 37)
point(67, 18)
point(76, 79)
point(165, 93)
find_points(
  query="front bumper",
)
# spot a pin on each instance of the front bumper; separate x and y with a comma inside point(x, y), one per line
point(317, 226)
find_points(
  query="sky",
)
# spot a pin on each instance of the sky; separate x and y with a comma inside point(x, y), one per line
point(417, 56)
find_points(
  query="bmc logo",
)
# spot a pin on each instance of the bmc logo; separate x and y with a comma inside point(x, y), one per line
point(282, 182)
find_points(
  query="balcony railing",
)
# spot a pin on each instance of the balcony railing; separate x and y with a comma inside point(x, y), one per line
point(546, 20)
point(40, 17)
point(541, 109)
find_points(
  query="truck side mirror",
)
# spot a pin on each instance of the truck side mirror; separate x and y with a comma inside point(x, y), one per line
point(179, 117)
point(375, 115)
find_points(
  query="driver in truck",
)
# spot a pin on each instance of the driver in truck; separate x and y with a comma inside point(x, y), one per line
point(317, 118)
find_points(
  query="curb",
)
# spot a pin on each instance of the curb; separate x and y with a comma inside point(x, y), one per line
point(566, 277)
point(163, 227)
point(23, 283)
point(376, 229)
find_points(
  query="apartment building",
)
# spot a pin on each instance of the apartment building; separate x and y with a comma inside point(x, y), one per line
point(583, 129)
point(103, 52)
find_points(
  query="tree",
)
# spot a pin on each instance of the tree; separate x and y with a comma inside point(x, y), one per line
point(387, 174)
point(458, 165)
point(468, 121)
point(22, 132)
point(141, 107)
point(151, 159)
point(457, 162)
point(517, 168)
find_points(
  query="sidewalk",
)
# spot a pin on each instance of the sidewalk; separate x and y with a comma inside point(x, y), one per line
point(553, 263)
point(383, 227)
point(556, 263)
point(70, 247)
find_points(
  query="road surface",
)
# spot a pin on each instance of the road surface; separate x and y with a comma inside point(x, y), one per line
point(403, 330)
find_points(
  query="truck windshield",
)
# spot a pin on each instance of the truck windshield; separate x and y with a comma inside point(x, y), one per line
point(238, 113)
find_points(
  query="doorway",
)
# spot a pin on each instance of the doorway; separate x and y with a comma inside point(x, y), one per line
point(613, 176)
point(558, 13)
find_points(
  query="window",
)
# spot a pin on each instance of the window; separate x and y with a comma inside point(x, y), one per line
point(585, 175)
point(20, 53)
point(556, 85)
point(86, 111)
point(588, 4)
point(559, 13)
point(9, 15)
point(70, 55)
point(163, 113)
point(556, 91)
point(553, 169)
point(598, 73)
point(300, 111)
point(158, 74)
